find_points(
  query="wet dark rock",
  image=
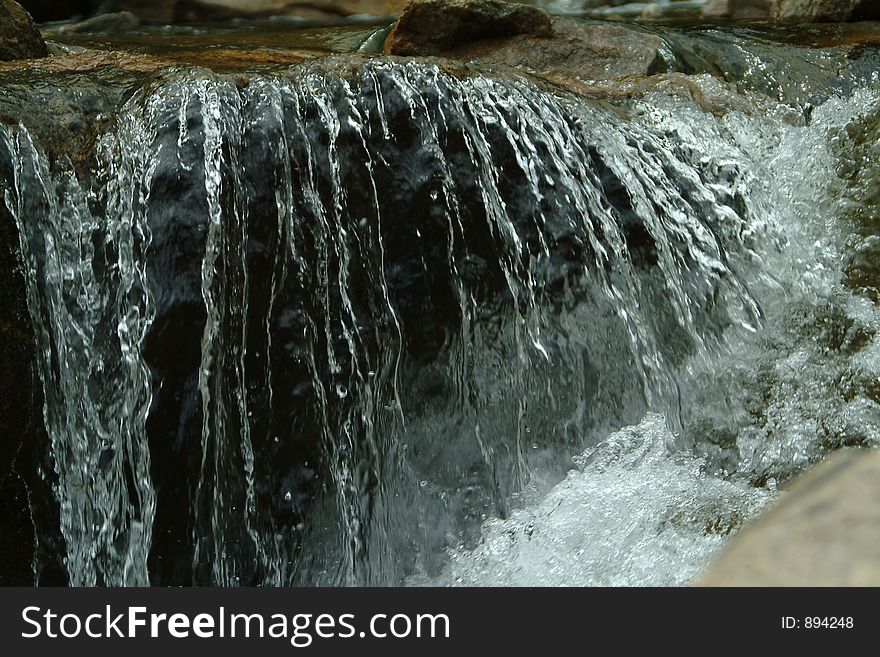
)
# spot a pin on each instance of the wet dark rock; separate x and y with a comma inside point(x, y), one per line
point(65, 121)
point(19, 36)
point(31, 547)
point(526, 37)
point(827, 11)
point(423, 267)
point(428, 27)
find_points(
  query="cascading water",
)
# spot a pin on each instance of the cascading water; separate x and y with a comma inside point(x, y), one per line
point(323, 326)
point(634, 511)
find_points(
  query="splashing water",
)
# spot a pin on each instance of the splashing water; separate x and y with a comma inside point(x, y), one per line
point(322, 327)
point(637, 510)
point(630, 515)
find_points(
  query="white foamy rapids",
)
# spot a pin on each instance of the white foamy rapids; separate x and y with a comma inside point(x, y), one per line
point(631, 514)
point(806, 383)
point(640, 511)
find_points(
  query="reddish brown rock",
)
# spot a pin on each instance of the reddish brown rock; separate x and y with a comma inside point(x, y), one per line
point(428, 27)
point(523, 36)
point(19, 37)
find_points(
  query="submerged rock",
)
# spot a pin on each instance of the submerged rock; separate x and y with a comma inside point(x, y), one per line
point(376, 222)
point(19, 37)
point(518, 35)
point(827, 11)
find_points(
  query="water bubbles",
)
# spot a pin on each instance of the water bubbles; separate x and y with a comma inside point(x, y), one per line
point(625, 257)
point(635, 517)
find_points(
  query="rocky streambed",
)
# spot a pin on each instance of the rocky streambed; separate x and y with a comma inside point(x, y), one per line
point(441, 299)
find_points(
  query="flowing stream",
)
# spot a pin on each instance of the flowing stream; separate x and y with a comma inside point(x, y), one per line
point(385, 323)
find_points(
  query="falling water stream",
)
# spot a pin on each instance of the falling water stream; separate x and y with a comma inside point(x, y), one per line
point(386, 322)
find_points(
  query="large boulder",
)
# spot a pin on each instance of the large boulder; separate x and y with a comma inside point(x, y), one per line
point(741, 10)
point(827, 11)
point(176, 11)
point(19, 37)
point(428, 27)
point(824, 532)
point(524, 36)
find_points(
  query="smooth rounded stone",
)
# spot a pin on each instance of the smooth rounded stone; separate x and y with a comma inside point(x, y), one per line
point(827, 11)
point(824, 532)
point(521, 36)
point(19, 36)
point(742, 10)
point(177, 11)
point(427, 27)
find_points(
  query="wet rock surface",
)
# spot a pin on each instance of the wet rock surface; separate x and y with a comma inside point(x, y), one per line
point(71, 100)
point(830, 11)
point(19, 37)
point(413, 183)
point(516, 35)
point(428, 27)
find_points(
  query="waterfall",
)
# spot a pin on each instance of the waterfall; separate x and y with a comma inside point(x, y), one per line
point(317, 327)
point(92, 310)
